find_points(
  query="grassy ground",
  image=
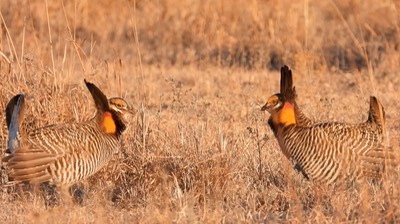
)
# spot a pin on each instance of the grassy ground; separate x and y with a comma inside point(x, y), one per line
point(197, 72)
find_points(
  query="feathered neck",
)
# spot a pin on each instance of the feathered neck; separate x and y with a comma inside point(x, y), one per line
point(284, 117)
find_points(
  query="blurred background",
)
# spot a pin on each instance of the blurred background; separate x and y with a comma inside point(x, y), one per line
point(258, 34)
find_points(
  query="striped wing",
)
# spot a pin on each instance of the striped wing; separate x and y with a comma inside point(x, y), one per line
point(61, 153)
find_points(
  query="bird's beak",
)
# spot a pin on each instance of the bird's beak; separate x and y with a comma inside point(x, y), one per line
point(131, 110)
point(264, 108)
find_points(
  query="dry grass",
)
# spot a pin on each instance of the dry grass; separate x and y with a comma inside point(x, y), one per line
point(199, 149)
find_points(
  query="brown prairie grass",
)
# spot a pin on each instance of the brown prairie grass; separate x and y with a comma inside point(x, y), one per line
point(196, 72)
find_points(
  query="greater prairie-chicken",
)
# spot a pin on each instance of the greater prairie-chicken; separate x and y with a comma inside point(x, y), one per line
point(64, 153)
point(326, 152)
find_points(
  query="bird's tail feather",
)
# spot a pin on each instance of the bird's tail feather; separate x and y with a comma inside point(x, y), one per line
point(14, 116)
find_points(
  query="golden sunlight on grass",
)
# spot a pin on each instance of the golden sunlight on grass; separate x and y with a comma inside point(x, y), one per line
point(199, 149)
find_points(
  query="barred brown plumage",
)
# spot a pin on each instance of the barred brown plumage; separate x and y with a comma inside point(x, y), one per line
point(64, 153)
point(327, 152)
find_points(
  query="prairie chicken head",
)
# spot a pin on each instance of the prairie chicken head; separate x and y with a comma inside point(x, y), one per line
point(283, 107)
point(274, 103)
point(112, 114)
point(282, 112)
point(121, 108)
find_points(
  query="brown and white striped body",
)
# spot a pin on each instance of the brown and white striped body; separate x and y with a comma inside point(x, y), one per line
point(65, 153)
point(79, 149)
point(327, 152)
